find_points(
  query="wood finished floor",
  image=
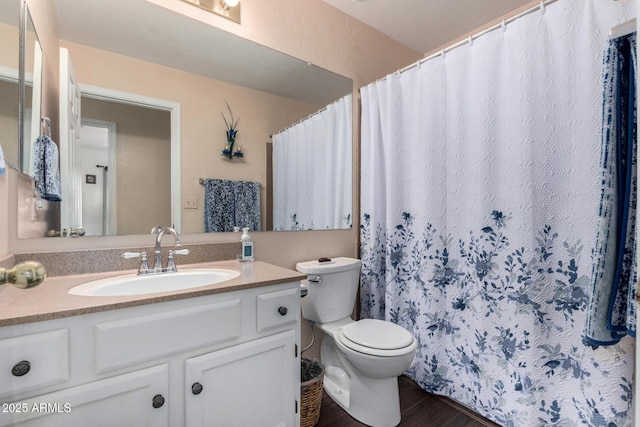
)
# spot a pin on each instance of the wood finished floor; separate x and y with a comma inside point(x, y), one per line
point(418, 408)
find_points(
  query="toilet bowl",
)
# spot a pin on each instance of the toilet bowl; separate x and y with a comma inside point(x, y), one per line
point(376, 348)
point(362, 359)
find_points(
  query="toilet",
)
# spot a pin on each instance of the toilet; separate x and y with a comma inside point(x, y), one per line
point(363, 358)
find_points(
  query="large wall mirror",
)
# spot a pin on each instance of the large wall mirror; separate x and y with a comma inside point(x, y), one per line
point(20, 83)
point(158, 91)
point(9, 89)
point(31, 90)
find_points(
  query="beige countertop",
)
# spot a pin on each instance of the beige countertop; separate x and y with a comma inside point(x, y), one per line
point(51, 299)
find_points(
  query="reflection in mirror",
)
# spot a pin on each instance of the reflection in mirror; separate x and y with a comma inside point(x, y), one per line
point(113, 136)
point(199, 67)
point(9, 92)
point(312, 171)
point(20, 83)
point(31, 60)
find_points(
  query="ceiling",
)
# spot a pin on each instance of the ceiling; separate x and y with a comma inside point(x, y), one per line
point(173, 40)
point(426, 25)
point(152, 33)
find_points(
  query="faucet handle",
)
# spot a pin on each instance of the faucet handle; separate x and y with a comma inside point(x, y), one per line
point(144, 265)
point(134, 255)
point(171, 265)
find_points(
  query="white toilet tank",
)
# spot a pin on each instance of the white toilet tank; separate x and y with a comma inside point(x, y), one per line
point(333, 287)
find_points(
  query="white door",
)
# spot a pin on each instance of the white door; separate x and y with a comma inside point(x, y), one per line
point(249, 385)
point(70, 168)
point(136, 399)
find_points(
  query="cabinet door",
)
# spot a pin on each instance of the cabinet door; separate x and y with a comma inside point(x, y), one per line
point(251, 384)
point(124, 400)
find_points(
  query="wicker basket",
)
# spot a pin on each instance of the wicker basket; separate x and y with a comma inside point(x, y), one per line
point(311, 400)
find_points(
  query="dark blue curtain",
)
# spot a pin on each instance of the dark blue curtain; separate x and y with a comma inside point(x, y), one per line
point(612, 311)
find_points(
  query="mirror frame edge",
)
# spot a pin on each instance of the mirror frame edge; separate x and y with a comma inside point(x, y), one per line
point(22, 29)
point(24, 163)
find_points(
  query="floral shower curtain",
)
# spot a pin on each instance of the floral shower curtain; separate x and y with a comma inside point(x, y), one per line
point(312, 171)
point(480, 193)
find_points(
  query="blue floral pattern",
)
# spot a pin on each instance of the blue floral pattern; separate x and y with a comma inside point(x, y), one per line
point(499, 325)
point(294, 224)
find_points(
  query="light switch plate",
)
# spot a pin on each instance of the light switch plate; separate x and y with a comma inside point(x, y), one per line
point(191, 202)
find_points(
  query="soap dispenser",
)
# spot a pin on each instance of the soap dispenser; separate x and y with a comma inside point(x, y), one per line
point(247, 245)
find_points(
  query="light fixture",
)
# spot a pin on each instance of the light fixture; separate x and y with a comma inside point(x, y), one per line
point(229, 9)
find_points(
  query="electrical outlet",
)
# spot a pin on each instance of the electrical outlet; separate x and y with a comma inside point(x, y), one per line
point(191, 202)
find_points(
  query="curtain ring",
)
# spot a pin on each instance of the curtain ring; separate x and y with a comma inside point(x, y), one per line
point(542, 7)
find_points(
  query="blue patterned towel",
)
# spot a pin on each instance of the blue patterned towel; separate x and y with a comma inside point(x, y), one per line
point(46, 169)
point(229, 204)
point(247, 197)
point(611, 313)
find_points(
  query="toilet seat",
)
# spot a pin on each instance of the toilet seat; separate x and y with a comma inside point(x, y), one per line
point(376, 338)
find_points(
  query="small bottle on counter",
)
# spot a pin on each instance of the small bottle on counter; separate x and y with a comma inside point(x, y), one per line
point(247, 245)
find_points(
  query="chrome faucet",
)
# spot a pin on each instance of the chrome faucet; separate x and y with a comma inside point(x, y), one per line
point(160, 232)
point(158, 268)
point(171, 266)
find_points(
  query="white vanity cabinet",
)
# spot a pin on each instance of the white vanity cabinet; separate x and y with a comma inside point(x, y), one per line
point(133, 399)
point(227, 359)
point(258, 371)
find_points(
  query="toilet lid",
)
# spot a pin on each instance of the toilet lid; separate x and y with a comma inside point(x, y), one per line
point(376, 334)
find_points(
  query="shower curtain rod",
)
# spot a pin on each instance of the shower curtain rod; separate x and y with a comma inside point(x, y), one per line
point(623, 29)
point(472, 37)
point(299, 121)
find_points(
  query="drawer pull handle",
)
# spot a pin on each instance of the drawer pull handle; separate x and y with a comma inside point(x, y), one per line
point(196, 388)
point(158, 401)
point(21, 368)
point(282, 311)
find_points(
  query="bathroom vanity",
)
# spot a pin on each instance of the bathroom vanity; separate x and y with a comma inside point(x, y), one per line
point(220, 355)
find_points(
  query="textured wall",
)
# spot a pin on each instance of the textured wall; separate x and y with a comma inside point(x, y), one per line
point(313, 31)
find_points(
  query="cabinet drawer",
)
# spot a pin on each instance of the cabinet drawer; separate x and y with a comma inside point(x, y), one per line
point(130, 341)
point(276, 309)
point(32, 361)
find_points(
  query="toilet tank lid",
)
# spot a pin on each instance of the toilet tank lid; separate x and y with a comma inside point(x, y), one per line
point(336, 265)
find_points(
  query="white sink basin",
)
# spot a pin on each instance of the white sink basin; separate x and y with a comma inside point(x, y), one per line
point(132, 284)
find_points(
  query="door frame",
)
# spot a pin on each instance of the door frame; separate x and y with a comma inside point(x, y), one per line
point(173, 108)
